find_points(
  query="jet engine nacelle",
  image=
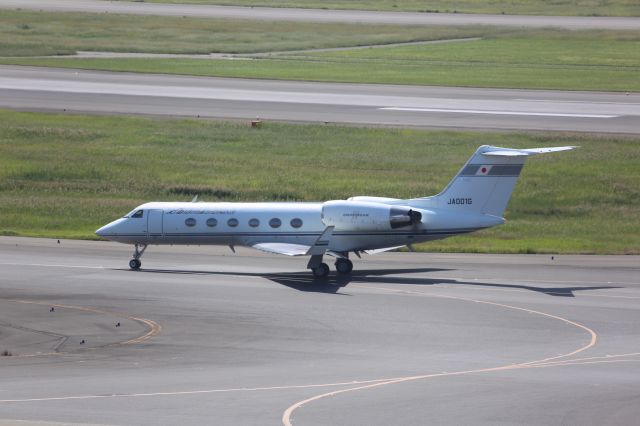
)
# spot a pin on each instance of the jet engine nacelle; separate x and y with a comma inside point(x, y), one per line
point(361, 215)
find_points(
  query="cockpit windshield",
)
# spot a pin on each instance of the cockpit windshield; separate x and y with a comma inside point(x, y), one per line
point(135, 214)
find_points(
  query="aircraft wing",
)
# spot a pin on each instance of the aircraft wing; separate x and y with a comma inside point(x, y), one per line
point(283, 248)
point(289, 249)
point(382, 250)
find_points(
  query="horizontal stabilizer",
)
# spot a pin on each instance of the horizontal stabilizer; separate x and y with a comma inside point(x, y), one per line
point(508, 152)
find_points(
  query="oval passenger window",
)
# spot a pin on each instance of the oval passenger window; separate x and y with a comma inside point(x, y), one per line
point(211, 222)
point(233, 222)
point(254, 223)
point(296, 222)
point(190, 222)
point(275, 223)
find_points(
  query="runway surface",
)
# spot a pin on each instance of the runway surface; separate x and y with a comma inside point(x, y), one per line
point(320, 15)
point(50, 89)
point(211, 337)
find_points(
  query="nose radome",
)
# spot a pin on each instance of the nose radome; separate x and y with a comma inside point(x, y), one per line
point(111, 230)
point(102, 231)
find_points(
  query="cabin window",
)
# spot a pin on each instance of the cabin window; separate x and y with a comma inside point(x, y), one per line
point(254, 223)
point(233, 222)
point(212, 222)
point(296, 222)
point(275, 223)
point(190, 222)
point(138, 214)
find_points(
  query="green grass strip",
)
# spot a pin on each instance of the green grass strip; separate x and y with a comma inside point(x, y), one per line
point(28, 33)
point(65, 175)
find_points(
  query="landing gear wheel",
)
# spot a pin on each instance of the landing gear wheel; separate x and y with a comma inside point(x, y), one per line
point(135, 264)
point(344, 266)
point(321, 271)
point(137, 254)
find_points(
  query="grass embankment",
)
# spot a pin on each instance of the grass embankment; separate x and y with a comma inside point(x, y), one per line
point(64, 175)
point(506, 58)
point(27, 33)
point(509, 7)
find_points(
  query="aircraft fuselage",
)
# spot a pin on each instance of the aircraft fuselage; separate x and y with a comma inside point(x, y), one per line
point(247, 224)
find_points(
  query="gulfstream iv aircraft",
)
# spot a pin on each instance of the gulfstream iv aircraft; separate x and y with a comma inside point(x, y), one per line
point(475, 199)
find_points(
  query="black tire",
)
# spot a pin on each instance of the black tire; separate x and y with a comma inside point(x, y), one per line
point(344, 266)
point(135, 264)
point(321, 271)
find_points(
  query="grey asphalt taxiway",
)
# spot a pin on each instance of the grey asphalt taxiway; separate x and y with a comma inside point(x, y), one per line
point(206, 336)
point(51, 89)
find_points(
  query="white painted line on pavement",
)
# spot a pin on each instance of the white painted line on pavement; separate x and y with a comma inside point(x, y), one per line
point(480, 111)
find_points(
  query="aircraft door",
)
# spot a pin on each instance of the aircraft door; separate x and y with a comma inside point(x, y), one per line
point(154, 224)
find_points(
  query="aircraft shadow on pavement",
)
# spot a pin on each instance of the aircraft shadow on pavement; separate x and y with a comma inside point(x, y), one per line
point(304, 281)
point(551, 291)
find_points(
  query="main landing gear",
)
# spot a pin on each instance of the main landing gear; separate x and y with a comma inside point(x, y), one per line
point(344, 266)
point(135, 263)
point(320, 269)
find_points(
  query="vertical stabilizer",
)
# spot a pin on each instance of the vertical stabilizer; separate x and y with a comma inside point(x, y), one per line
point(485, 183)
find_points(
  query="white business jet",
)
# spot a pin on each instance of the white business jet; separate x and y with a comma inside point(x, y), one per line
point(475, 199)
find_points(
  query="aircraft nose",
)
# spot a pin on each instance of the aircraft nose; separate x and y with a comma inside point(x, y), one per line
point(111, 231)
point(102, 232)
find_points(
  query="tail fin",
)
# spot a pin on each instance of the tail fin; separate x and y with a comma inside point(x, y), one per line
point(485, 183)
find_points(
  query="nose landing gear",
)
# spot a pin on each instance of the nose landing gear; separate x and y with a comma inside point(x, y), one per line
point(135, 263)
